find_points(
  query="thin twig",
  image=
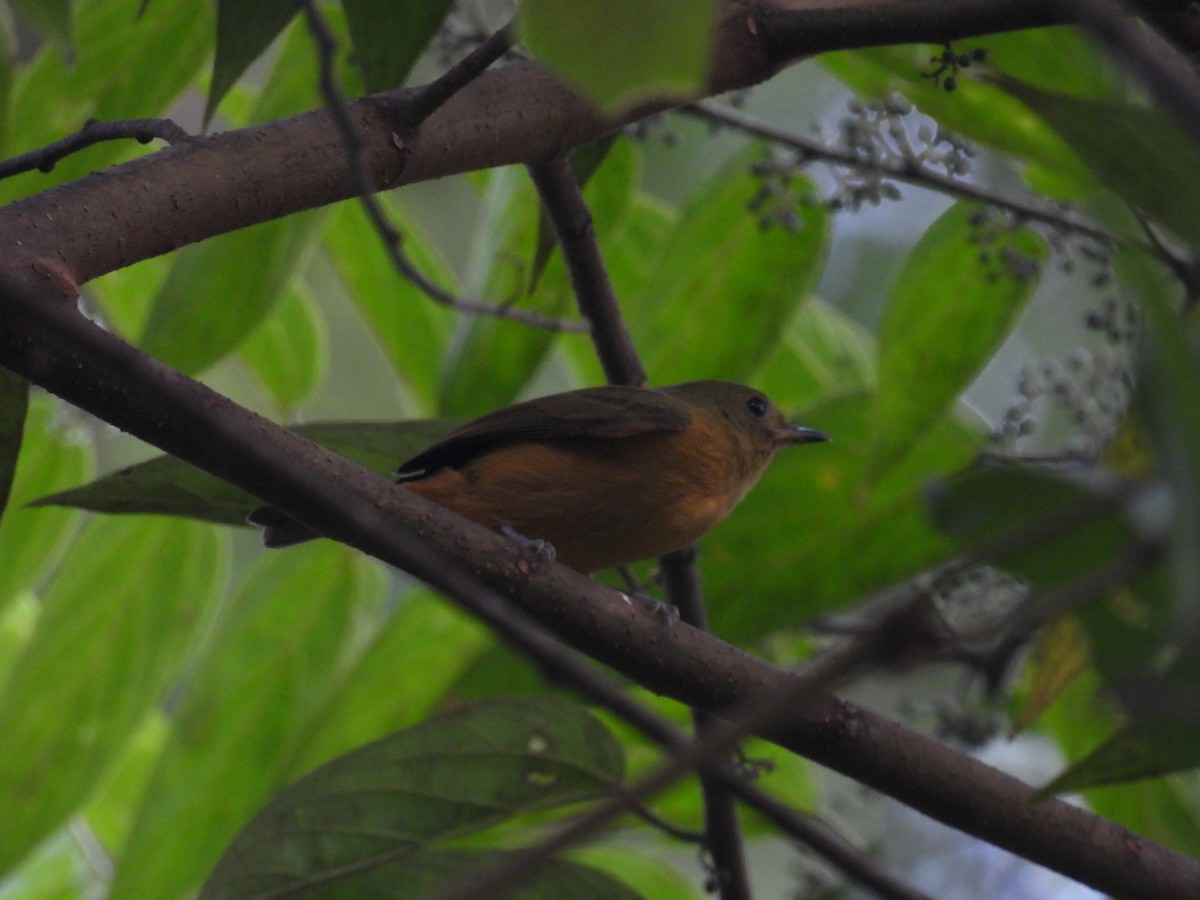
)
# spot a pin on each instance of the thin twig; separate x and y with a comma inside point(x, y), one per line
point(392, 239)
point(568, 212)
point(910, 172)
point(681, 579)
point(94, 132)
point(572, 221)
point(460, 75)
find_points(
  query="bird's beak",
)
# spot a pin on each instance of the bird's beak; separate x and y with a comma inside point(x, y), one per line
point(798, 434)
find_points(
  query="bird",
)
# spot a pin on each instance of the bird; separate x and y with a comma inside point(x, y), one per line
point(606, 476)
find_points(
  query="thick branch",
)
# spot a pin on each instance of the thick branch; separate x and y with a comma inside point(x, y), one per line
point(519, 114)
point(49, 342)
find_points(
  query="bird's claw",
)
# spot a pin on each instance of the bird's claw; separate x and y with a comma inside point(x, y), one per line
point(543, 550)
point(666, 612)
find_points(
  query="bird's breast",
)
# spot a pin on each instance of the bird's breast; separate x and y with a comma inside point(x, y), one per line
point(599, 502)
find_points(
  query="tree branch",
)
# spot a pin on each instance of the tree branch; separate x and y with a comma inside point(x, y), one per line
point(45, 339)
point(520, 114)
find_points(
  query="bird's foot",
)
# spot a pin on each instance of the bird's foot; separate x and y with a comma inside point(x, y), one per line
point(667, 613)
point(543, 550)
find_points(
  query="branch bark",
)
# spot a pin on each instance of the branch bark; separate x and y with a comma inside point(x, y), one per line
point(48, 341)
point(519, 114)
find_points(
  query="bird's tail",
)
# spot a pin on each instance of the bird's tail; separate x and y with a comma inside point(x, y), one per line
point(279, 530)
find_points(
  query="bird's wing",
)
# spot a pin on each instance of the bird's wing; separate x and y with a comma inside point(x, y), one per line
point(607, 412)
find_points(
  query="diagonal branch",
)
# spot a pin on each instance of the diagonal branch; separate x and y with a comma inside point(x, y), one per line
point(45, 339)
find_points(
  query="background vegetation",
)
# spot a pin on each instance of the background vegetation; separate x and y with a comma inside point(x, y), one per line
point(978, 277)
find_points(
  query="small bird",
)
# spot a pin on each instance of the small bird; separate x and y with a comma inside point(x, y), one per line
point(607, 475)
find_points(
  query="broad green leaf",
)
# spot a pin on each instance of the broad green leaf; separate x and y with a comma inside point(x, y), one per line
point(430, 640)
point(127, 66)
point(495, 359)
point(113, 632)
point(956, 300)
point(822, 354)
point(722, 288)
point(111, 809)
point(390, 37)
point(245, 28)
point(14, 404)
point(56, 870)
point(411, 329)
point(125, 296)
point(1165, 400)
point(621, 52)
point(445, 777)
point(52, 18)
point(288, 352)
point(237, 728)
point(166, 485)
point(646, 873)
point(631, 255)
point(1163, 809)
point(1062, 654)
point(813, 534)
point(218, 291)
point(427, 873)
point(975, 109)
point(1047, 529)
point(33, 540)
point(1107, 135)
point(1143, 750)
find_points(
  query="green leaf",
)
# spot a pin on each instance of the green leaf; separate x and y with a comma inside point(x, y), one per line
point(245, 28)
point(956, 300)
point(289, 352)
point(111, 636)
point(813, 534)
point(427, 874)
point(168, 486)
point(127, 66)
point(237, 728)
point(52, 18)
point(1047, 529)
point(390, 37)
point(33, 540)
point(220, 290)
point(411, 329)
point(621, 52)
point(976, 109)
point(720, 291)
point(14, 404)
point(448, 776)
point(1138, 152)
point(430, 640)
point(1163, 809)
point(1166, 403)
point(1144, 750)
point(822, 354)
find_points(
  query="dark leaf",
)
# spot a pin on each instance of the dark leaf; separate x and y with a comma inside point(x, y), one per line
point(245, 28)
point(390, 37)
point(448, 776)
point(166, 485)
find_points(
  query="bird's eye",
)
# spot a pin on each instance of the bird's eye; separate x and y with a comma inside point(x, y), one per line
point(757, 405)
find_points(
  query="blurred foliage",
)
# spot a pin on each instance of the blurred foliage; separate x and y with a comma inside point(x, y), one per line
point(162, 680)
